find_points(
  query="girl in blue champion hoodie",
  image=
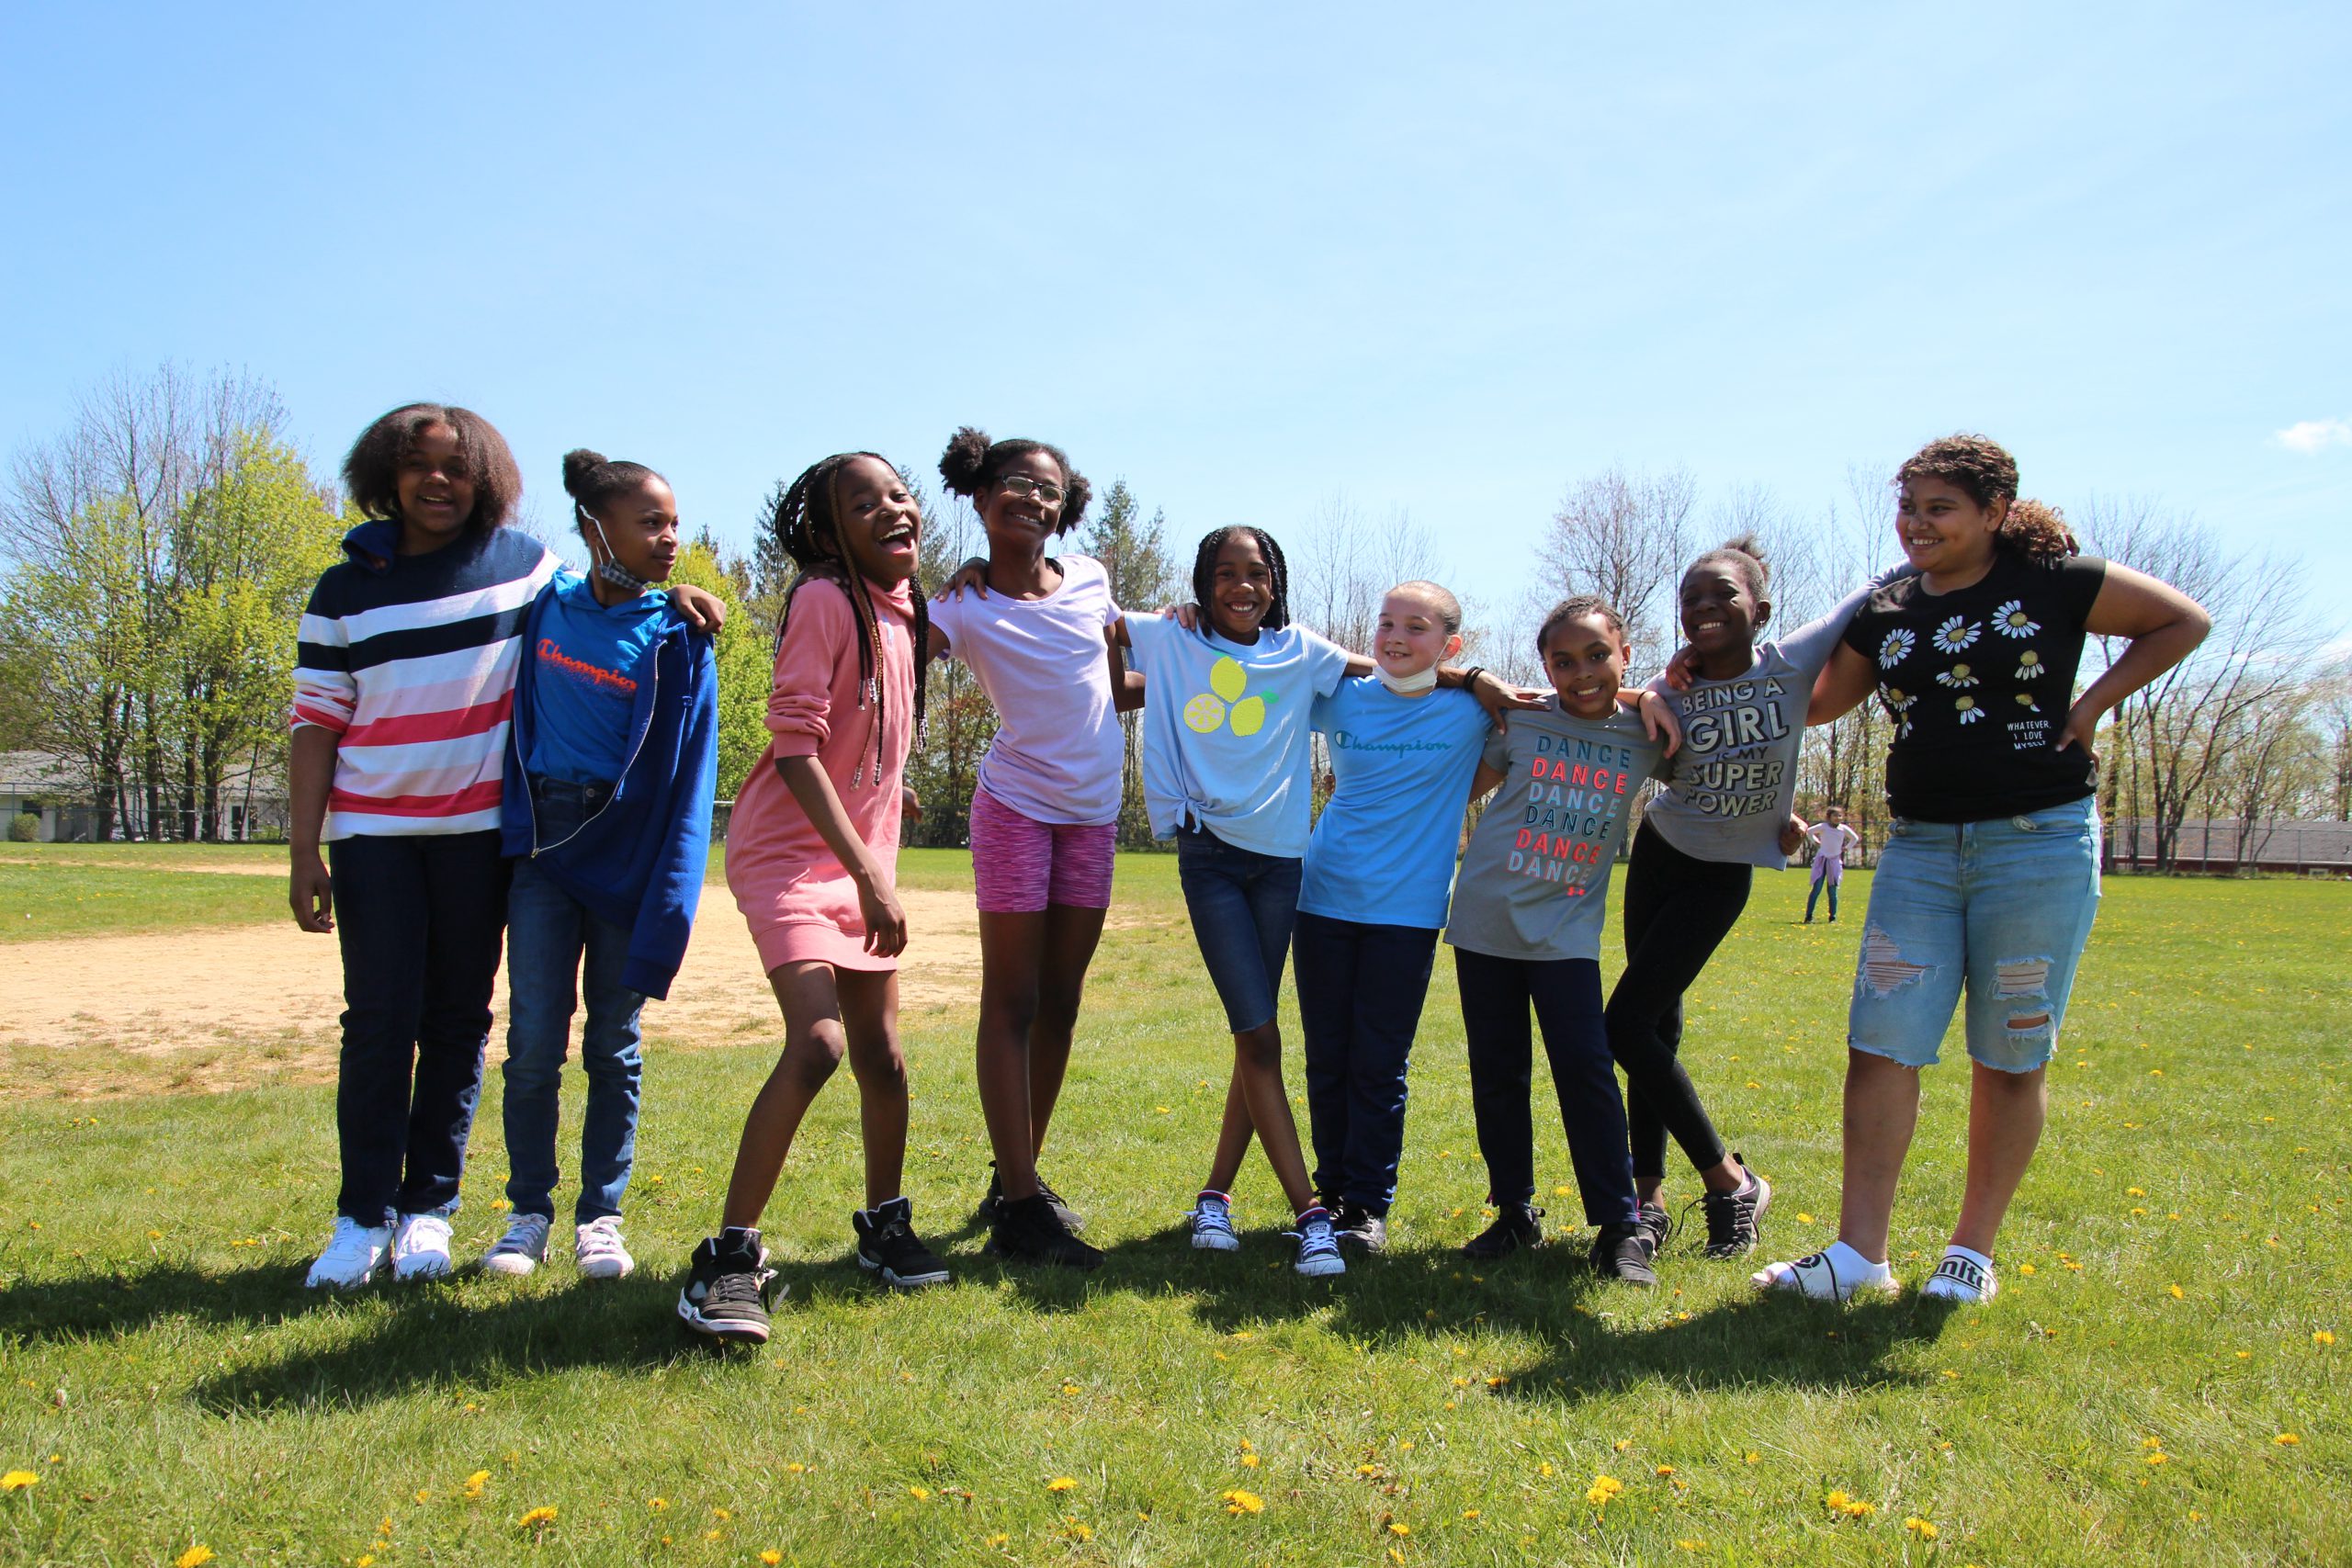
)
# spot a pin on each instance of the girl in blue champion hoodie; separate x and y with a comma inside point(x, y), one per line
point(607, 809)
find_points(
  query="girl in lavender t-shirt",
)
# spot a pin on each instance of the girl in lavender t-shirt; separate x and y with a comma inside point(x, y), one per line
point(1033, 633)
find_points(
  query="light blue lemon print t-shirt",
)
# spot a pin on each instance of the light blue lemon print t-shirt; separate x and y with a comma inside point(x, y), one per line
point(1224, 730)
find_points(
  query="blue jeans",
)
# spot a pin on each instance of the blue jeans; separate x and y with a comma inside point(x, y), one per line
point(2001, 908)
point(418, 916)
point(1242, 905)
point(554, 943)
point(1565, 994)
point(1360, 993)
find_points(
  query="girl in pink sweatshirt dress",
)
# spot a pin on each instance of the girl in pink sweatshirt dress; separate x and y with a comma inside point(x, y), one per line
point(812, 857)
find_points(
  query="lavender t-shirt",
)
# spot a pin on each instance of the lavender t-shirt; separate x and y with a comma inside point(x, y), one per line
point(1043, 662)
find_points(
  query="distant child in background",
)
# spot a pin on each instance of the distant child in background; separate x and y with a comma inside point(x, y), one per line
point(812, 856)
point(1989, 880)
point(608, 803)
point(1831, 840)
point(1373, 895)
point(1034, 632)
point(1725, 811)
point(1225, 774)
point(1527, 909)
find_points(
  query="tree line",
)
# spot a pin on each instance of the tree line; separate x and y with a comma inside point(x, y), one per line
point(159, 551)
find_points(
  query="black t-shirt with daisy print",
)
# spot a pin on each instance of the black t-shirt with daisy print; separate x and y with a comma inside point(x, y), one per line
point(1977, 682)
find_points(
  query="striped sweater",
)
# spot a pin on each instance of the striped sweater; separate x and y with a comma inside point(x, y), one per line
point(410, 661)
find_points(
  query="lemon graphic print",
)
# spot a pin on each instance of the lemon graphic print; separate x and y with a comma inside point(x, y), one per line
point(1222, 702)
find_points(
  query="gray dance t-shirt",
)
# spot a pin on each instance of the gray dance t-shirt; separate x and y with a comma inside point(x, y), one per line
point(1535, 882)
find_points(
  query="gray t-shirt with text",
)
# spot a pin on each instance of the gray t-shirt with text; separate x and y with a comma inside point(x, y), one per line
point(1535, 882)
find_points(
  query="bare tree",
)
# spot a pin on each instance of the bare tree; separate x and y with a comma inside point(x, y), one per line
point(1625, 536)
point(1345, 560)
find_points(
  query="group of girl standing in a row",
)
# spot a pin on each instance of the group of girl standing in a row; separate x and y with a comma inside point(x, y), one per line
point(462, 703)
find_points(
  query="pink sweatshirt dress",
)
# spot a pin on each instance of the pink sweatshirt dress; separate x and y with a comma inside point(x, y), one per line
point(799, 902)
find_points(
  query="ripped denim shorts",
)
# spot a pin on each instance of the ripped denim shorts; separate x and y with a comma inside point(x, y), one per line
point(2003, 906)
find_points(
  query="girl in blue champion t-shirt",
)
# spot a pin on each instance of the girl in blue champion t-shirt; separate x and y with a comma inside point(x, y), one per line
point(1225, 774)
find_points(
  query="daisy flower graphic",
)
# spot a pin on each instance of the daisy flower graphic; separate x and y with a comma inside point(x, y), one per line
point(2010, 620)
point(1896, 647)
point(2029, 665)
point(2025, 701)
point(1957, 677)
point(1957, 634)
point(1969, 711)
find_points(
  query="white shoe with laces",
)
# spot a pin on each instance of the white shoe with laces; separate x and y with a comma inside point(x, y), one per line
point(421, 1247)
point(353, 1255)
point(523, 1248)
point(597, 1248)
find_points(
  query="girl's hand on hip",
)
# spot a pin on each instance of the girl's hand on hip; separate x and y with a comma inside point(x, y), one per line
point(311, 891)
point(2081, 730)
point(909, 803)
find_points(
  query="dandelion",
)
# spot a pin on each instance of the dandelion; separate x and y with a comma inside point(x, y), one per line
point(537, 1518)
point(1920, 1527)
point(1544, 1469)
point(2026, 1269)
point(1073, 1531)
point(770, 1557)
point(1399, 1527)
point(2287, 1439)
point(920, 1494)
point(1664, 1471)
point(1000, 1539)
point(1248, 1462)
point(2320, 1336)
point(2176, 1292)
point(1803, 1218)
point(1062, 1484)
point(1851, 1507)
point(18, 1480)
point(1623, 1443)
point(194, 1557)
point(475, 1483)
point(1603, 1489)
point(2159, 1457)
point(793, 1467)
point(1238, 1502)
point(2152, 1442)
point(1470, 1513)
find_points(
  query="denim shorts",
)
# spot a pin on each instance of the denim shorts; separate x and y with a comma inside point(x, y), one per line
point(1243, 904)
point(2001, 907)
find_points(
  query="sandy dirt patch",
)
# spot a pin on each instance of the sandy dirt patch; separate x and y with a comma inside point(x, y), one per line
point(205, 1011)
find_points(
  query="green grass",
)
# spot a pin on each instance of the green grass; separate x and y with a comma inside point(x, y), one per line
point(170, 1383)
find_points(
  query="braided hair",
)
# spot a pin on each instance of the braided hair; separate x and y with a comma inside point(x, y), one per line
point(807, 525)
point(1204, 574)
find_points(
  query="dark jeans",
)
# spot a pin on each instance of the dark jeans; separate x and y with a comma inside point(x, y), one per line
point(1678, 910)
point(1242, 905)
point(1566, 992)
point(549, 935)
point(1360, 993)
point(420, 917)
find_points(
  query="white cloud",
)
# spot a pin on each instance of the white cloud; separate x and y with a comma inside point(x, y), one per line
point(2312, 435)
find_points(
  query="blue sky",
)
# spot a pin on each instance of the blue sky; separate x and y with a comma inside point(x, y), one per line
point(1248, 257)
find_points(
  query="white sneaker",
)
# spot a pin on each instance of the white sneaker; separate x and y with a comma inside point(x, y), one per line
point(523, 1248)
point(1816, 1275)
point(597, 1249)
point(421, 1247)
point(353, 1255)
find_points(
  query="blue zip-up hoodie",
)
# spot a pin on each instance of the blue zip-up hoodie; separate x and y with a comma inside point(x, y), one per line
point(639, 861)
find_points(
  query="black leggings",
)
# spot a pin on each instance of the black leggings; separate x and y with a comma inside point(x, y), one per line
point(1678, 909)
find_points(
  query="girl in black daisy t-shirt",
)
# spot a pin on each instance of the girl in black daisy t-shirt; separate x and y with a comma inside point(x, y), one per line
point(1989, 879)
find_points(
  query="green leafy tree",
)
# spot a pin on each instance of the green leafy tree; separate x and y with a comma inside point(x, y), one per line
point(744, 654)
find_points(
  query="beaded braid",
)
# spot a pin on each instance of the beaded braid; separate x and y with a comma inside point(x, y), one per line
point(1204, 574)
point(807, 527)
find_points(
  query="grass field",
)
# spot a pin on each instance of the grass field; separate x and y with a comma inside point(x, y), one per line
point(2163, 1386)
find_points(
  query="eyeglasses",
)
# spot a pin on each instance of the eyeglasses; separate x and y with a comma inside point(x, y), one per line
point(1024, 487)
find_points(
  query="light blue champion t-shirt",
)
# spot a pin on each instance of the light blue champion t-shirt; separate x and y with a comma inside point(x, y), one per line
point(1382, 850)
point(1225, 730)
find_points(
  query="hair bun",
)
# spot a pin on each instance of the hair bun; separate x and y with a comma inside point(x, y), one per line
point(963, 461)
point(580, 465)
point(1747, 545)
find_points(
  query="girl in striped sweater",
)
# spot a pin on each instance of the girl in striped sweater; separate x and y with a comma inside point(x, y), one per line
point(404, 687)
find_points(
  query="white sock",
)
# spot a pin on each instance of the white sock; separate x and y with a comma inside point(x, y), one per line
point(1958, 1290)
point(1979, 1259)
point(1852, 1265)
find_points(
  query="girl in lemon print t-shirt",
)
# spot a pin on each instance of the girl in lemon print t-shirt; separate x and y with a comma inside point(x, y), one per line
point(1225, 774)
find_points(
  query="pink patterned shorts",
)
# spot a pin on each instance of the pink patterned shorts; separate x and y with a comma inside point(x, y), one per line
point(1020, 865)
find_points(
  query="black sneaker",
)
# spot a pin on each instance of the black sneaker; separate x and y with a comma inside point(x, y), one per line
point(887, 1246)
point(728, 1293)
point(989, 1204)
point(1356, 1226)
point(1516, 1225)
point(1622, 1253)
point(1029, 1230)
point(1656, 1225)
point(1733, 1218)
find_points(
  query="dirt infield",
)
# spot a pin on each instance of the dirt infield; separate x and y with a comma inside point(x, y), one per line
point(205, 1011)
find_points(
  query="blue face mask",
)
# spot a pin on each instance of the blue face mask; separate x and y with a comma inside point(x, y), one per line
point(610, 569)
